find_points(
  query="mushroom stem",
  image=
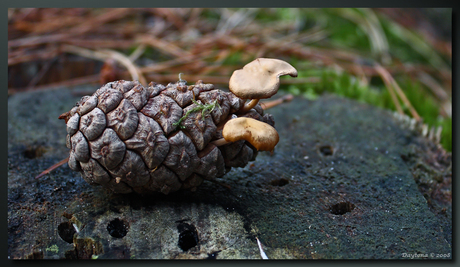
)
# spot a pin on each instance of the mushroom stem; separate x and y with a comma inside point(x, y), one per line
point(249, 105)
point(220, 142)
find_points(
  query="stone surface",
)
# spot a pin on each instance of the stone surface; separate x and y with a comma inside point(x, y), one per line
point(346, 181)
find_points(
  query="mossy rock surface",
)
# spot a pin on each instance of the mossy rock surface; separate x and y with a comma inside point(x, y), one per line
point(346, 181)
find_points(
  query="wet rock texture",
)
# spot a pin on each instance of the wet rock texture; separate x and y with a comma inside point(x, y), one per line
point(346, 181)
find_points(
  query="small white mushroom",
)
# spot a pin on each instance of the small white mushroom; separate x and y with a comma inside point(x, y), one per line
point(259, 79)
point(260, 134)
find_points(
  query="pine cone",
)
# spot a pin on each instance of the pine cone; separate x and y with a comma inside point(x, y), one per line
point(126, 137)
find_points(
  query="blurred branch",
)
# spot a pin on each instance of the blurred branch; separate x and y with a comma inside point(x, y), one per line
point(105, 54)
point(92, 23)
point(391, 85)
point(164, 46)
point(41, 73)
point(137, 53)
point(418, 45)
point(438, 91)
point(369, 23)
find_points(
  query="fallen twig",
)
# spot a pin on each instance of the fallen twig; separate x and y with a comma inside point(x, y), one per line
point(276, 102)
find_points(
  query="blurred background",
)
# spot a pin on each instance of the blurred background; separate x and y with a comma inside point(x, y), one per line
point(397, 59)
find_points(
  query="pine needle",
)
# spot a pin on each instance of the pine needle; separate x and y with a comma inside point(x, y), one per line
point(55, 166)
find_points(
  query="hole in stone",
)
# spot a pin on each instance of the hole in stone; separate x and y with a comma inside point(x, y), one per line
point(213, 255)
point(279, 182)
point(326, 150)
point(341, 208)
point(117, 228)
point(188, 236)
point(66, 231)
point(34, 152)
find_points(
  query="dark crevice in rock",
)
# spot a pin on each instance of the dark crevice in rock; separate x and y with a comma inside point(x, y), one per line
point(66, 231)
point(117, 228)
point(341, 208)
point(326, 150)
point(279, 182)
point(188, 236)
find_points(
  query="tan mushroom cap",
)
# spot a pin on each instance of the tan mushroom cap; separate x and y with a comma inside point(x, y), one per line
point(260, 78)
point(260, 134)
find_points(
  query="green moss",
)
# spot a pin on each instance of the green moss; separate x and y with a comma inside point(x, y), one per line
point(204, 108)
point(53, 248)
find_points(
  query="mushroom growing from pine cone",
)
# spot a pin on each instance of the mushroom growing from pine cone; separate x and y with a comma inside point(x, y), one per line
point(259, 79)
point(127, 137)
point(260, 134)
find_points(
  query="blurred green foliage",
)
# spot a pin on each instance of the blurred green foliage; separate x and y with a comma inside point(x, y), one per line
point(345, 34)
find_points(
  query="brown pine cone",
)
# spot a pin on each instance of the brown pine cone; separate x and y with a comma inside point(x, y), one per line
point(126, 137)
